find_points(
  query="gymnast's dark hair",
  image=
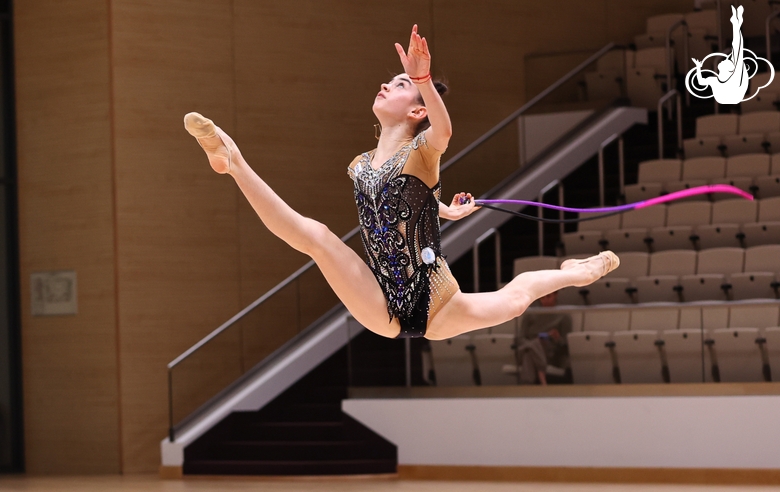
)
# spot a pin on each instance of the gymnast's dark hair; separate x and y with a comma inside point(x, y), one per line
point(442, 89)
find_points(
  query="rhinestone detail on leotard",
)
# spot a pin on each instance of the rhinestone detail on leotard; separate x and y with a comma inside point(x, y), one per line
point(399, 218)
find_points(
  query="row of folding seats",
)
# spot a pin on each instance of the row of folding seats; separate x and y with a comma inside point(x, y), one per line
point(767, 99)
point(733, 134)
point(708, 316)
point(646, 77)
point(717, 274)
point(480, 359)
point(675, 356)
point(758, 174)
point(648, 344)
point(682, 225)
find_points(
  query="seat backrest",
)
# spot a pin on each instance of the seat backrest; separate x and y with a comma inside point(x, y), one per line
point(721, 260)
point(609, 320)
point(665, 318)
point(703, 19)
point(775, 169)
point(759, 122)
point(602, 224)
point(748, 165)
point(734, 211)
point(756, 316)
point(704, 168)
point(660, 171)
point(632, 265)
point(531, 263)
point(662, 23)
point(645, 217)
point(614, 60)
point(769, 209)
point(689, 213)
point(673, 262)
point(652, 58)
point(765, 258)
point(717, 125)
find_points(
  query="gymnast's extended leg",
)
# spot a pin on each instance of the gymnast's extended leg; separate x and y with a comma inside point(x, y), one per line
point(468, 312)
point(345, 271)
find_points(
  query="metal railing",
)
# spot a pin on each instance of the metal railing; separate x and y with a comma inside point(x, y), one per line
point(621, 160)
point(661, 101)
point(475, 252)
point(354, 232)
point(670, 55)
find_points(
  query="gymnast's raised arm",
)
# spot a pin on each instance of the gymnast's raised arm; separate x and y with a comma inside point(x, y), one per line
point(417, 64)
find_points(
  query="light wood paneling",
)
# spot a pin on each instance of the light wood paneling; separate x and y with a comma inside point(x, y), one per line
point(176, 218)
point(66, 223)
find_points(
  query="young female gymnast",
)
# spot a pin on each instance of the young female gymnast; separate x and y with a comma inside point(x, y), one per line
point(405, 288)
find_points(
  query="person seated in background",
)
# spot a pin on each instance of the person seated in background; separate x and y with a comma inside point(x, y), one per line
point(542, 345)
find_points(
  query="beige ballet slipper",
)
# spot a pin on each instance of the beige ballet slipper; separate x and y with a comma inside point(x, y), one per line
point(609, 259)
point(203, 128)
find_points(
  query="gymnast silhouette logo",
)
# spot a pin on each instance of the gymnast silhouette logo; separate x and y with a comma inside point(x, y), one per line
point(730, 84)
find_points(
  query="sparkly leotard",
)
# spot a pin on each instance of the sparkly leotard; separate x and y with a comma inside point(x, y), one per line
point(399, 226)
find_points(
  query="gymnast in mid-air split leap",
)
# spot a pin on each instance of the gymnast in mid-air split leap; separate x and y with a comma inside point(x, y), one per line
point(404, 288)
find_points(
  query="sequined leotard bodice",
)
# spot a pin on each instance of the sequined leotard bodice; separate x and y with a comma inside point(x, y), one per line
point(399, 225)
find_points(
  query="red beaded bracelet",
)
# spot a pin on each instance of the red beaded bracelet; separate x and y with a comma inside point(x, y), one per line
point(423, 79)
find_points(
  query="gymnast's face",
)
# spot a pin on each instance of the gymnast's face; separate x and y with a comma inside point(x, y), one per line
point(397, 99)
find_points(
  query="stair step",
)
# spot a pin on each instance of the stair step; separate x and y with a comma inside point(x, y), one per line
point(297, 451)
point(291, 431)
point(328, 467)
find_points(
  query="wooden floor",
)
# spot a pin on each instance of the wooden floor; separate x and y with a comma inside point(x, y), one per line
point(153, 483)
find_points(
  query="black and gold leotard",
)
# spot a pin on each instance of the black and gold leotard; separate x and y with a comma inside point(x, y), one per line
point(398, 208)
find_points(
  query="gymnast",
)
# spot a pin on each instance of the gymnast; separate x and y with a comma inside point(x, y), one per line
point(404, 288)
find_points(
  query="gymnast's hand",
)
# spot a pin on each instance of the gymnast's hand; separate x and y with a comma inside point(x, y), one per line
point(417, 61)
point(459, 210)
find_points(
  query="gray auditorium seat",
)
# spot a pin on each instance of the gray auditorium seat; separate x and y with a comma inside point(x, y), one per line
point(767, 229)
point(752, 285)
point(659, 171)
point(727, 219)
point(609, 291)
point(635, 227)
point(772, 336)
point(680, 221)
point(590, 359)
point(768, 186)
point(493, 352)
point(710, 131)
point(765, 99)
point(662, 282)
point(453, 362)
point(642, 191)
point(703, 287)
point(750, 165)
point(755, 316)
point(684, 352)
point(638, 357)
point(589, 235)
point(654, 318)
point(738, 354)
point(606, 320)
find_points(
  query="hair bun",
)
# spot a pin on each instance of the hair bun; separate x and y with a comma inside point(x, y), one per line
point(441, 87)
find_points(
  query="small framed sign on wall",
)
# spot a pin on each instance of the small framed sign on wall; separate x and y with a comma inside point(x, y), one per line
point(53, 293)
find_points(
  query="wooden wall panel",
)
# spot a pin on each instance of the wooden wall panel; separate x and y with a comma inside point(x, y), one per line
point(176, 218)
point(66, 223)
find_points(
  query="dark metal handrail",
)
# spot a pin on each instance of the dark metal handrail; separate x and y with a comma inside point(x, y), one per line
point(457, 157)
